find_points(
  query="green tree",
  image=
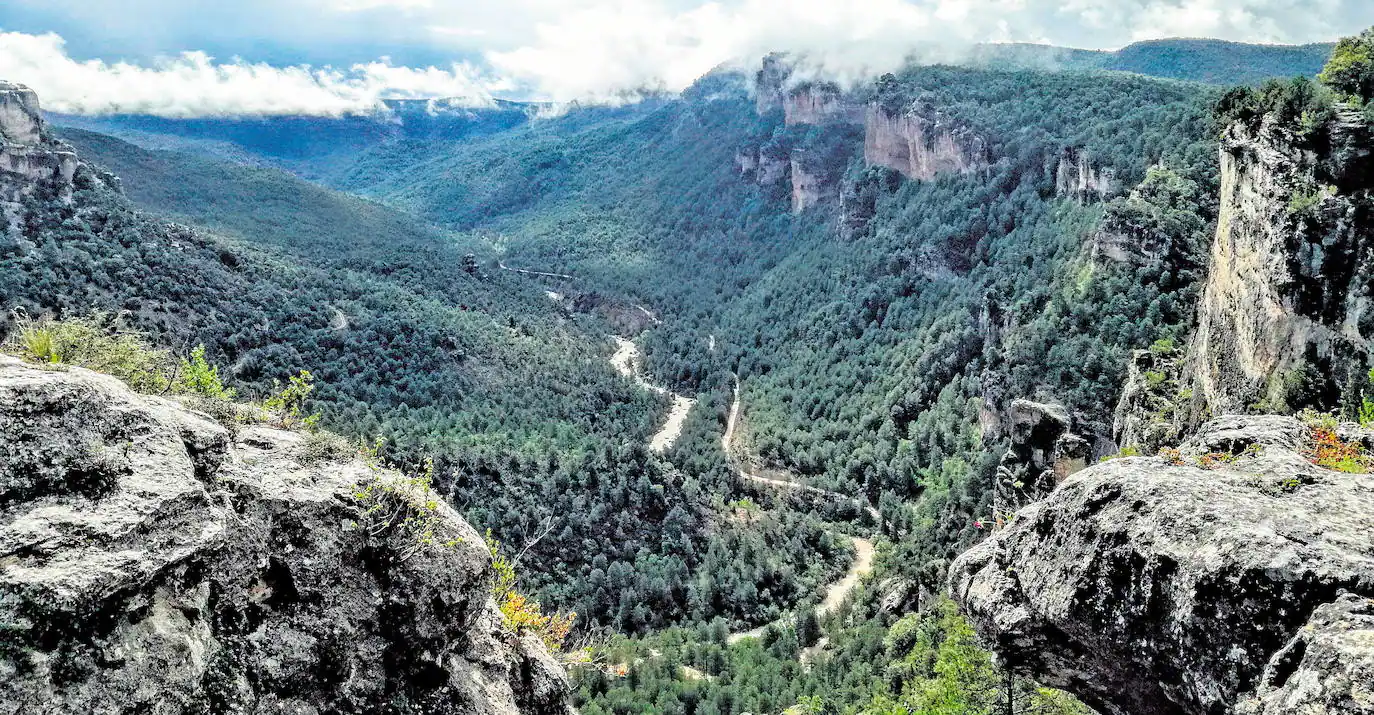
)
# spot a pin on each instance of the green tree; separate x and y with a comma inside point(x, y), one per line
point(1350, 70)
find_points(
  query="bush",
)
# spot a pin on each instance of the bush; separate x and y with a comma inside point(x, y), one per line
point(1350, 71)
point(83, 342)
point(523, 614)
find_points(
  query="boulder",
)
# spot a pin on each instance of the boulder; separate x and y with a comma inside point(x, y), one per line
point(1236, 578)
point(151, 563)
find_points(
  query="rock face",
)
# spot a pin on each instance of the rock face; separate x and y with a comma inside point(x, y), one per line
point(920, 145)
point(1155, 588)
point(770, 83)
point(1286, 315)
point(1148, 416)
point(819, 105)
point(807, 189)
point(1078, 177)
point(28, 153)
point(1044, 452)
point(150, 563)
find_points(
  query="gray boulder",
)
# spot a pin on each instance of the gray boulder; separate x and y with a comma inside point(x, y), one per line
point(150, 563)
point(1149, 587)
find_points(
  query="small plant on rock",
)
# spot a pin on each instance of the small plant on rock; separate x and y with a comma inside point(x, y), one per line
point(1327, 450)
point(407, 505)
point(289, 402)
point(1171, 455)
point(523, 614)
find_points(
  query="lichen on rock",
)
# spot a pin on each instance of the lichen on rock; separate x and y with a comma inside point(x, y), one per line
point(150, 563)
point(1235, 577)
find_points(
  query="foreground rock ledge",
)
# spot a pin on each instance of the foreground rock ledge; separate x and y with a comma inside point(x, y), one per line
point(149, 563)
point(1151, 588)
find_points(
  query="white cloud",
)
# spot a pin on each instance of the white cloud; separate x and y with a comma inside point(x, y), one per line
point(193, 84)
point(578, 50)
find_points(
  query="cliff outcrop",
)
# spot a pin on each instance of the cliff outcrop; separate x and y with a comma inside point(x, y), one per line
point(29, 154)
point(1078, 176)
point(1044, 452)
point(151, 561)
point(1237, 576)
point(820, 104)
point(920, 144)
point(1285, 316)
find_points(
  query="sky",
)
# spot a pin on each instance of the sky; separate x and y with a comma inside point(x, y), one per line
point(331, 57)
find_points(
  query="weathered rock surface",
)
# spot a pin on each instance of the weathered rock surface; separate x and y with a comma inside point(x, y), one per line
point(1044, 452)
point(921, 145)
point(1078, 176)
point(1150, 588)
point(1285, 315)
point(819, 104)
point(28, 152)
point(808, 189)
point(150, 563)
point(1148, 415)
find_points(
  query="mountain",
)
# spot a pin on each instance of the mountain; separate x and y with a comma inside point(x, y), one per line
point(894, 321)
point(416, 337)
point(1194, 60)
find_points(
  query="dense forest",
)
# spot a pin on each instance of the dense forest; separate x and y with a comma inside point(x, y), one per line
point(876, 336)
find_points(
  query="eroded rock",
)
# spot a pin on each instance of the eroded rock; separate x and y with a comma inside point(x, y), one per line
point(1147, 587)
point(149, 563)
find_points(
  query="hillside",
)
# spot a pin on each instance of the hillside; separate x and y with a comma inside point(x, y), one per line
point(1195, 60)
point(711, 363)
point(412, 340)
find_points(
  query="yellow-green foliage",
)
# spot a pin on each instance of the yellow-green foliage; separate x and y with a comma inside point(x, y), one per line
point(523, 614)
point(1127, 451)
point(941, 670)
point(88, 343)
point(1350, 71)
point(289, 402)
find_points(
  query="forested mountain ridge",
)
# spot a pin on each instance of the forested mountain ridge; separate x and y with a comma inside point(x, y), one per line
point(1126, 576)
point(902, 278)
point(414, 337)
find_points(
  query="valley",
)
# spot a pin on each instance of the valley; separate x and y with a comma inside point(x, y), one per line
point(775, 395)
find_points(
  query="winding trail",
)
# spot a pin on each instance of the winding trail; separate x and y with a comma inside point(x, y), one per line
point(626, 361)
point(727, 444)
point(835, 593)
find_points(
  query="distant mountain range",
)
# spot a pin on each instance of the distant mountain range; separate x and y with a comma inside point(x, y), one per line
point(315, 147)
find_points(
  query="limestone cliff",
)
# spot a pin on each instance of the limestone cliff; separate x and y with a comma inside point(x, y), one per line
point(150, 561)
point(819, 104)
point(770, 83)
point(807, 188)
point(1285, 315)
point(1237, 577)
point(29, 155)
point(1078, 176)
point(920, 144)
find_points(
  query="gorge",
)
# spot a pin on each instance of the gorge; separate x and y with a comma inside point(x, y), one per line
point(961, 389)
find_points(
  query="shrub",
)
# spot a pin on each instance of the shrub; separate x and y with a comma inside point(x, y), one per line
point(523, 614)
point(407, 506)
point(198, 377)
point(83, 342)
point(289, 402)
point(1350, 71)
point(1326, 449)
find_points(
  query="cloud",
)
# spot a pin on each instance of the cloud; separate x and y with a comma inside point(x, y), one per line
point(595, 47)
point(322, 54)
point(194, 85)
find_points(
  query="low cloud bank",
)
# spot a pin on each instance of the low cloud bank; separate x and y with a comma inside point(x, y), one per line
point(613, 51)
point(194, 85)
